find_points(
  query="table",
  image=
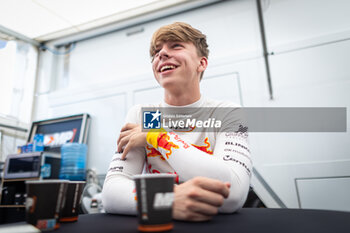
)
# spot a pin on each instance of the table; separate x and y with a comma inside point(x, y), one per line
point(246, 220)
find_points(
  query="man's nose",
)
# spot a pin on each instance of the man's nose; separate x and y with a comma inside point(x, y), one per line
point(163, 53)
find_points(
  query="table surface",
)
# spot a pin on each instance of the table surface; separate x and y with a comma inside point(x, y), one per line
point(246, 220)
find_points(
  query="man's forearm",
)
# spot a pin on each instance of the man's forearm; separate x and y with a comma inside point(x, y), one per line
point(118, 196)
point(189, 162)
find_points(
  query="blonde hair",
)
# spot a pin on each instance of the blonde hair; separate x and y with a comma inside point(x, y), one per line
point(181, 32)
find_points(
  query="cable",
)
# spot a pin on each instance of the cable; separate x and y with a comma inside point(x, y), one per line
point(43, 47)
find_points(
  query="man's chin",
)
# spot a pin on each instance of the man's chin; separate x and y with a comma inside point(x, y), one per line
point(167, 80)
point(170, 84)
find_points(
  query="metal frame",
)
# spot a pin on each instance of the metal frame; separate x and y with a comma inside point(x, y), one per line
point(83, 130)
point(264, 45)
point(19, 36)
point(268, 189)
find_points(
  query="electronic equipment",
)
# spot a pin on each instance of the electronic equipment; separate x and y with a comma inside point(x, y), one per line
point(46, 164)
point(42, 165)
point(19, 168)
point(59, 131)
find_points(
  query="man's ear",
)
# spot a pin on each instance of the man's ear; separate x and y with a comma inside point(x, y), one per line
point(203, 63)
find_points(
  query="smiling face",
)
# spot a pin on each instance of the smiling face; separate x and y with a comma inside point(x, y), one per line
point(177, 65)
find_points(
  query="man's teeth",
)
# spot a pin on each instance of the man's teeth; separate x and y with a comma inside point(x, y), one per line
point(170, 67)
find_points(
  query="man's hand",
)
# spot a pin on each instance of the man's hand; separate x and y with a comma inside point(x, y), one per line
point(199, 199)
point(130, 136)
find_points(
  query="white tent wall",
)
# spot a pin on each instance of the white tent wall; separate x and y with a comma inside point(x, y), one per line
point(106, 75)
point(310, 42)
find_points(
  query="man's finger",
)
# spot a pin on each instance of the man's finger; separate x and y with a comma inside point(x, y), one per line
point(126, 151)
point(212, 185)
point(123, 142)
point(204, 208)
point(187, 215)
point(208, 197)
point(128, 126)
point(122, 135)
point(197, 217)
point(201, 218)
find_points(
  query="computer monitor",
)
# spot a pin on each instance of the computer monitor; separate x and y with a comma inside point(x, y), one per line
point(61, 130)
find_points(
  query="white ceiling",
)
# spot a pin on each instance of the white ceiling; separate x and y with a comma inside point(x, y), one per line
point(44, 20)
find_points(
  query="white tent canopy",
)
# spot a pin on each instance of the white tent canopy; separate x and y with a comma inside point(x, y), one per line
point(43, 20)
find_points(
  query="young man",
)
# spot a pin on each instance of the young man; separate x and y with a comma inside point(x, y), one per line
point(213, 168)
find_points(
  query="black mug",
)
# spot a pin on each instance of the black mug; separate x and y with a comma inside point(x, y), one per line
point(44, 202)
point(155, 195)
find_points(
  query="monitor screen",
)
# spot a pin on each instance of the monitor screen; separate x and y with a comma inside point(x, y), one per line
point(59, 131)
point(26, 164)
point(20, 166)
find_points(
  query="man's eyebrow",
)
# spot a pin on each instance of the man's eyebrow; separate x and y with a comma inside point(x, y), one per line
point(158, 44)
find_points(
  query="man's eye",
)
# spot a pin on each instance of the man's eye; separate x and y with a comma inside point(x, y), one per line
point(156, 54)
point(177, 45)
